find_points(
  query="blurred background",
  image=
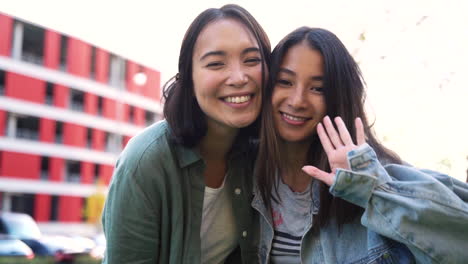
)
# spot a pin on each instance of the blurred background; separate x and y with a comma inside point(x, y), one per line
point(79, 79)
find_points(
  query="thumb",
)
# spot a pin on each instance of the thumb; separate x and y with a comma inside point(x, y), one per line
point(319, 174)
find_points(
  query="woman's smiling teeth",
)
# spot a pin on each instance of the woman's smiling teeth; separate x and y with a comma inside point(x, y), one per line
point(293, 118)
point(237, 99)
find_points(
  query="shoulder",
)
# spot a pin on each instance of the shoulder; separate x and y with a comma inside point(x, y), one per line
point(147, 150)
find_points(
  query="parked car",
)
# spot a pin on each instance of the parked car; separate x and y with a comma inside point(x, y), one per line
point(59, 248)
point(14, 251)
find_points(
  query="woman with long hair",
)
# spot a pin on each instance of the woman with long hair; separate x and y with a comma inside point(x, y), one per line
point(182, 188)
point(327, 190)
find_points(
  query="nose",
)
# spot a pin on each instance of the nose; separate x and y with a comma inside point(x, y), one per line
point(237, 76)
point(296, 98)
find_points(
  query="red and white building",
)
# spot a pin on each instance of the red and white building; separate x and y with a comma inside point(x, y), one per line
point(67, 108)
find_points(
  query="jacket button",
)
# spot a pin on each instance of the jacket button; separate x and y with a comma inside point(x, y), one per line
point(244, 234)
point(237, 191)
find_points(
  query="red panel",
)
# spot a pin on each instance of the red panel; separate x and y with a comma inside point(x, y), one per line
point(52, 49)
point(102, 66)
point(132, 69)
point(3, 116)
point(6, 30)
point(42, 207)
point(56, 169)
point(109, 106)
point(139, 116)
point(98, 140)
point(20, 165)
point(74, 135)
point(106, 173)
point(61, 96)
point(125, 112)
point(70, 208)
point(90, 103)
point(152, 88)
point(87, 172)
point(47, 130)
point(125, 141)
point(24, 87)
point(78, 57)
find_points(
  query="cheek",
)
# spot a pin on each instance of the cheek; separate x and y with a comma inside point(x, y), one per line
point(256, 74)
point(320, 107)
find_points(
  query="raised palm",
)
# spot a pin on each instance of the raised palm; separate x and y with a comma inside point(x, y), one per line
point(336, 145)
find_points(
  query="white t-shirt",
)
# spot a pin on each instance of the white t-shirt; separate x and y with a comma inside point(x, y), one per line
point(218, 229)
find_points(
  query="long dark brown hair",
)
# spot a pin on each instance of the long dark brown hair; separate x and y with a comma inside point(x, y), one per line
point(181, 110)
point(344, 95)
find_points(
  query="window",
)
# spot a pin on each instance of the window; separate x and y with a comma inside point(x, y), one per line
point(96, 172)
point(59, 132)
point(89, 137)
point(76, 100)
point(72, 171)
point(23, 203)
point(99, 105)
point(54, 208)
point(63, 52)
point(44, 168)
point(93, 63)
point(27, 127)
point(149, 117)
point(33, 44)
point(49, 97)
point(2, 82)
point(131, 111)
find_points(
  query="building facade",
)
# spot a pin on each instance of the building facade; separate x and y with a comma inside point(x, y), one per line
point(67, 109)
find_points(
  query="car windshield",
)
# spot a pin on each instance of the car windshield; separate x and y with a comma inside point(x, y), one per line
point(22, 226)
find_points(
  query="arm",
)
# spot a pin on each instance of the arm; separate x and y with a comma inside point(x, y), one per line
point(130, 218)
point(426, 211)
point(408, 205)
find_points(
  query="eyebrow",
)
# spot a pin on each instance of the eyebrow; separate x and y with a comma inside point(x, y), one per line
point(288, 71)
point(222, 53)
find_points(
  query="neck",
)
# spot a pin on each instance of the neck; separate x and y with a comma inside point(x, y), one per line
point(296, 158)
point(214, 148)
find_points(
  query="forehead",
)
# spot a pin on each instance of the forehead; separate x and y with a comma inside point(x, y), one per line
point(301, 58)
point(224, 34)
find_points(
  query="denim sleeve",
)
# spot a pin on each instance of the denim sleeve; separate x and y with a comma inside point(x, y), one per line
point(425, 210)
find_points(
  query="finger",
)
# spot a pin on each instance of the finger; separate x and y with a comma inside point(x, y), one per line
point(332, 134)
point(326, 144)
point(344, 134)
point(319, 174)
point(360, 135)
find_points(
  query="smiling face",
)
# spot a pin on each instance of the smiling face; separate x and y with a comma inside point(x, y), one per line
point(298, 101)
point(227, 74)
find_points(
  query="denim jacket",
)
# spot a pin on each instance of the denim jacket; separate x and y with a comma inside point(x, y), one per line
point(411, 216)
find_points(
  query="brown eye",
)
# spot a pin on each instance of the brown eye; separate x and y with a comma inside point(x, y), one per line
point(214, 64)
point(317, 89)
point(283, 82)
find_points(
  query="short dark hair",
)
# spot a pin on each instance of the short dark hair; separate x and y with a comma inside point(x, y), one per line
point(344, 96)
point(181, 110)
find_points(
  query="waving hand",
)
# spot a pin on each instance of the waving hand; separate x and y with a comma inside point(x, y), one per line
point(336, 145)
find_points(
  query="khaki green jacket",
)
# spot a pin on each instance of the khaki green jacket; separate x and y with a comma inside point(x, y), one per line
point(154, 207)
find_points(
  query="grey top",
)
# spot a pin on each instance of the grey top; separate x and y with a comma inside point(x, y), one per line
point(291, 217)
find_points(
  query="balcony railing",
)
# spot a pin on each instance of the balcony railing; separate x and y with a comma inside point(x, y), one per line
point(27, 134)
point(31, 57)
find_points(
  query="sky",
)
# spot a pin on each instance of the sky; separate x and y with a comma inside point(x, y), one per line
point(412, 53)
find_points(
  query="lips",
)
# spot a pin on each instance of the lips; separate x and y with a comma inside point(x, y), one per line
point(293, 120)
